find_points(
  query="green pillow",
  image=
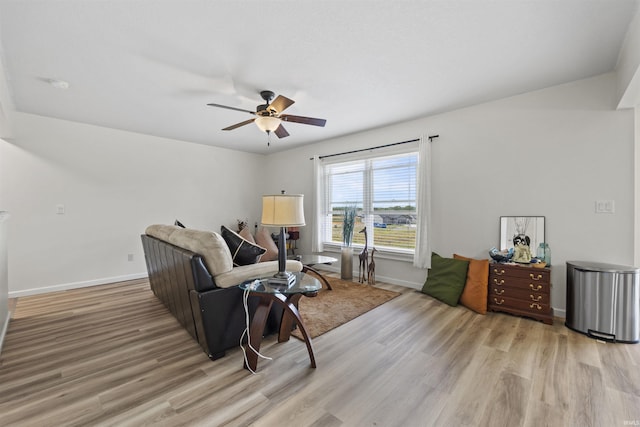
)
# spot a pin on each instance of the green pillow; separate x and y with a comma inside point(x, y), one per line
point(446, 279)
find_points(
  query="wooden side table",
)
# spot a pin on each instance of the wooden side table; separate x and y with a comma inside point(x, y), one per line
point(288, 298)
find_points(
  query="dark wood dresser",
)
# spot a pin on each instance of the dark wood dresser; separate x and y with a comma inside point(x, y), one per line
point(521, 290)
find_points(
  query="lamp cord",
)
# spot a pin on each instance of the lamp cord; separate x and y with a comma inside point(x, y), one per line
point(245, 303)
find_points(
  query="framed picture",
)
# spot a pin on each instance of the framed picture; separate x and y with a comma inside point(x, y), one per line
point(527, 228)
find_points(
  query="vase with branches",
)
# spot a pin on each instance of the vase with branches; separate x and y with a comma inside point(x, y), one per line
point(348, 224)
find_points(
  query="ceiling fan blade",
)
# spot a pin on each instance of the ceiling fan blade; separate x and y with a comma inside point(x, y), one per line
point(281, 132)
point(281, 103)
point(237, 125)
point(232, 108)
point(303, 120)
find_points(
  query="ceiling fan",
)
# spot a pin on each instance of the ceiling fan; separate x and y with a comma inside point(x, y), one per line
point(269, 115)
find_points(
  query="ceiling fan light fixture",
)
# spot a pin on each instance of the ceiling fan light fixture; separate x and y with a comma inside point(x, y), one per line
point(267, 123)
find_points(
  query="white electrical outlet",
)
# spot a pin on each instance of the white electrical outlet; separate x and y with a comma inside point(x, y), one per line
point(60, 209)
point(605, 206)
point(130, 257)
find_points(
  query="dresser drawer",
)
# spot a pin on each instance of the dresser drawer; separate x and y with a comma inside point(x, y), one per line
point(519, 283)
point(505, 303)
point(520, 294)
point(517, 272)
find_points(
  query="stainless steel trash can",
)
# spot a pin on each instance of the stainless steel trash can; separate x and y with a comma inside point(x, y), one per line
point(603, 301)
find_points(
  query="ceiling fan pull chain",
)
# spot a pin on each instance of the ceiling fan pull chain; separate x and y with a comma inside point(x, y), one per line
point(268, 139)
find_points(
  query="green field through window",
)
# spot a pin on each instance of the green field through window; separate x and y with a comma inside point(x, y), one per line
point(393, 236)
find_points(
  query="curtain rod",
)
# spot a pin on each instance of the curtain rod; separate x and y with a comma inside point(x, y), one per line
point(431, 138)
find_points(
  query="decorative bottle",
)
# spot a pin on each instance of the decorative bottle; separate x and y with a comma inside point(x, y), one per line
point(547, 255)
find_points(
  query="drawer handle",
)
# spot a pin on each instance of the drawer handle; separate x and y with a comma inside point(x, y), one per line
point(537, 288)
point(499, 303)
point(500, 283)
point(536, 299)
point(498, 291)
point(536, 305)
point(499, 273)
point(538, 277)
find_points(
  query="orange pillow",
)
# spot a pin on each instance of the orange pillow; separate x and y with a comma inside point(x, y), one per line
point(474, 295)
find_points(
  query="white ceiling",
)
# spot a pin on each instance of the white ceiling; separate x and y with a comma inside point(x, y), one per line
point(152, 66)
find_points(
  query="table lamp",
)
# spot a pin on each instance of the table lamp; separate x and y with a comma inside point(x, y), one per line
point(282, 210)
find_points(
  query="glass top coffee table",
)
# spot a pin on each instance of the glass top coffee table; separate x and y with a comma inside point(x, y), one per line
point(286, 297)
point(308, 261)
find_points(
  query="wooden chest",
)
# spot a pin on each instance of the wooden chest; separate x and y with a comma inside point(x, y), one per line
point(521, 290)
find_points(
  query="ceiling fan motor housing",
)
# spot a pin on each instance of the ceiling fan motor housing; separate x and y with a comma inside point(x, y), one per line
point(262, 110)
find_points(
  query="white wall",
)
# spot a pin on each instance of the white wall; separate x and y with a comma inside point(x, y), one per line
point(628, 66)
point(636, 190)
point(552, 152)
point(112, 184)
point(4, 278)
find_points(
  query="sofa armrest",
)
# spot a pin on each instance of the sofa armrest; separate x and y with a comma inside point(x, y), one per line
point(202, 279)
point(252, 271)
point(220, 319)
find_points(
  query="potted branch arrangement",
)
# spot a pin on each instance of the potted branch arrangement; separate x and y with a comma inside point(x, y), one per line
point(346, 261)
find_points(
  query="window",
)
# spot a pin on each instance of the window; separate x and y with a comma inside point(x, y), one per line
point(383, 190)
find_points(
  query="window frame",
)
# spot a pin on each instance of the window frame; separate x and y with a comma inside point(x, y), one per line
point(396, 253)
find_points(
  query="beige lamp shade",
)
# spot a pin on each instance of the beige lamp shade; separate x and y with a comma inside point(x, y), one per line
point(283, 210)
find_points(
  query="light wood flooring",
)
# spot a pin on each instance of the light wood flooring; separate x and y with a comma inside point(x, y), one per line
point(113, 355)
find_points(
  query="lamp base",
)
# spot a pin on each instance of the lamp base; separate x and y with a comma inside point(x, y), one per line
point(283, 280)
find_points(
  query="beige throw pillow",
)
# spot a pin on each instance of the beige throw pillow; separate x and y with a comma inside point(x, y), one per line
point(263, 238)
point(246, 235)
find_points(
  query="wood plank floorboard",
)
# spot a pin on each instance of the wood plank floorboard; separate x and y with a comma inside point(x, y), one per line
point(113, 355)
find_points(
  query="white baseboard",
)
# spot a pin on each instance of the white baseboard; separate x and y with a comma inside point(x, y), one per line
point(390, 280)
point(5, 327)
point(75, 285)
point(559, 312)
point(395, 281)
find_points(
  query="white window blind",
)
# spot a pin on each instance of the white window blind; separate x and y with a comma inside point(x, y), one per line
point(383, 189)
